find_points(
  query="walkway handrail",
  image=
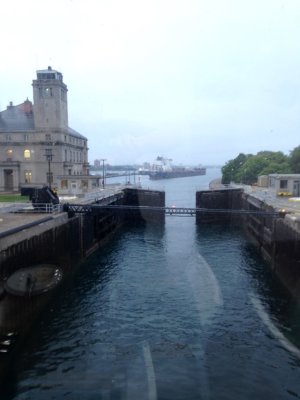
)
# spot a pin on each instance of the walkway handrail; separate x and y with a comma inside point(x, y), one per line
point(87, 208)
point(43, 208)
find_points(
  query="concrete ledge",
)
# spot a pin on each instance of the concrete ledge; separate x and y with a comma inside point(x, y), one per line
point(22, 227)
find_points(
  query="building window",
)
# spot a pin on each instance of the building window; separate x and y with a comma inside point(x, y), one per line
point(9, 154)
point(26, 138)
point(84, 185)
point(48, 92)
point(48, 153)
point(48, 137)
point(283, 184)
point(65, 138)
point(64, 184)
point(8, 138)
point(28, 176)
point(27, 154)
point(45, 92)
point(66, 155)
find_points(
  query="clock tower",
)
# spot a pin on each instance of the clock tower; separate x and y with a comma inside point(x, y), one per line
point(50, 101)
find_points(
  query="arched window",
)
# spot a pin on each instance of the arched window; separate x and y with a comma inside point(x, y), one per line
point(27, 154)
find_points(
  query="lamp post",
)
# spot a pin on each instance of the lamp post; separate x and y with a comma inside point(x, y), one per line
point(103, 178)
point(49, 155)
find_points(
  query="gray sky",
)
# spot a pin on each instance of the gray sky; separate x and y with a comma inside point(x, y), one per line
point(198, 81)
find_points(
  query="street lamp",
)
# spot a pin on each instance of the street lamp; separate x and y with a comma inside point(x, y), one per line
point(49, 155)
point(103, 178)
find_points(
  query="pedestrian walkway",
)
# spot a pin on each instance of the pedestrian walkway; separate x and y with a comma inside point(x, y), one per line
point(12, 223)
point(268, 196)
point(291, 205)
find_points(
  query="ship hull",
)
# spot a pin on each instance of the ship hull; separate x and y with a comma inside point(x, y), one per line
point(156, 175)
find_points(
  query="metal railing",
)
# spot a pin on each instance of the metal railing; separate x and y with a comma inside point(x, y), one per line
point(103, 195)
point(38, 208)
point(187, 211)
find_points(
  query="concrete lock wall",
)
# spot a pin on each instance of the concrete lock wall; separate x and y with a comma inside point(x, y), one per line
point(147, 198)
point(65, 240)
point(286, 254)
point(217, 199)
point(56, 243)
point(277, 238)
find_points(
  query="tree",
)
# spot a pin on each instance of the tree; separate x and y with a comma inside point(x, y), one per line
point(247, 168)
point(264, 163)
point(231, 169)
point(294, 160)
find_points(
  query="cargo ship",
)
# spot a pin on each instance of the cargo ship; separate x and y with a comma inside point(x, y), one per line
point(162, 169)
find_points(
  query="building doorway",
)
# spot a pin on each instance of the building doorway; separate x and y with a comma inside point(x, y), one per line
point(8, 179)
point(296, 188)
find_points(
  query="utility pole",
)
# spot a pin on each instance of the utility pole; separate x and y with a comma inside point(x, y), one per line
point(103, 177)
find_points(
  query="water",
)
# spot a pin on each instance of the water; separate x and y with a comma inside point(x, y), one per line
point(173, 312)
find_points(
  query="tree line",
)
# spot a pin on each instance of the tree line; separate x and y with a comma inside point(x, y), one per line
point(246, 168)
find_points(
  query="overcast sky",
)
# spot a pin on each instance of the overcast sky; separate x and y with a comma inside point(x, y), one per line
point(198, 81)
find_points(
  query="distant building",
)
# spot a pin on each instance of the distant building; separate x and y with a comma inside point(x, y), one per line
point(37, 146)
point(97, 163)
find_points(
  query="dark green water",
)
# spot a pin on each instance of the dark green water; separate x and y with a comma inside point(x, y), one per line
point(173, 312)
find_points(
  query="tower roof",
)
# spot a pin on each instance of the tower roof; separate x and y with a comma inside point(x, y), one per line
point(49, 74)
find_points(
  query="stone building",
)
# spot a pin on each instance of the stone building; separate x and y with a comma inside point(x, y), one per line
point(37, 146)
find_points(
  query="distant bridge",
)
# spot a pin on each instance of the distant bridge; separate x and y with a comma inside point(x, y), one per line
point(176, 211)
